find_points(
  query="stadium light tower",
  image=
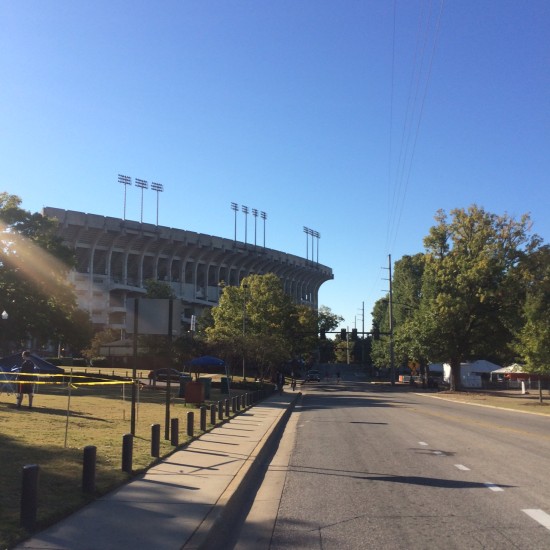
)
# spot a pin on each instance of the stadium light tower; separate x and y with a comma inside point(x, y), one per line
point(263, 215)
point(312, 233)
point(125, 180)
point(143, 185)
point(159, 188)
point(255, 214)
point(306, 231)
point(235, 208)
point(318, 236)
point(245, 212)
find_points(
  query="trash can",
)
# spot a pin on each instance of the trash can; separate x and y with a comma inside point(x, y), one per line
point(207, 383)
point(184, 378)
point(224, 385)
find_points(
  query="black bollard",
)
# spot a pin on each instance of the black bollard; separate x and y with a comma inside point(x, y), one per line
point(220, 410)
point(88, 469)
point(29, 496)
point(203, 419)
point(190, 423)
point(155, 440)
point(127, 452)
point(175, 431)
point(227, 408)
point(213, 414)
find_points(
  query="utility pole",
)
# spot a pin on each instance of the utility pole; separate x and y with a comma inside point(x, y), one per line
point(392, 358)
point(347, 344)
point(363, 333)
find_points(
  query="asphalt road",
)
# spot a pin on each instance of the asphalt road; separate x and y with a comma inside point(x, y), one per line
point(361, 468)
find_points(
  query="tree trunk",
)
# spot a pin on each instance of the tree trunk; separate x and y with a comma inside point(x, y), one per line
point(455, 374)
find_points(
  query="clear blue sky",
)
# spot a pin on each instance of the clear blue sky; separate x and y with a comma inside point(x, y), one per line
point(358, 119)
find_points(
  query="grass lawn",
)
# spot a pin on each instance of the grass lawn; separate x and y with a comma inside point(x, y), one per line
point(55, 431)
point(512, 399)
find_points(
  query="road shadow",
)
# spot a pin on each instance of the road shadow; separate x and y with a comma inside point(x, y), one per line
point(409, 480)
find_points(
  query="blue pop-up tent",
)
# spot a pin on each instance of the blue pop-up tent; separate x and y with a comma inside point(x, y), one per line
point(206, 363)
point(12, 363)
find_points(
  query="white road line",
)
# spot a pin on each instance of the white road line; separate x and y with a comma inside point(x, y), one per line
point(492, 486)
point(438, 452)
point(462, 467)
point(422, 443)
point(538, 515)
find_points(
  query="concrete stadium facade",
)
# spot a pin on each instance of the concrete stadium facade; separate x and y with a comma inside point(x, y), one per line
point(115, 257)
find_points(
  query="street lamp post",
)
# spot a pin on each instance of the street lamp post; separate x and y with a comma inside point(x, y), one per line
point(4, 318)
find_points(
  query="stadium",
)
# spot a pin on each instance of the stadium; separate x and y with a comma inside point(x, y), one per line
point(116, 256)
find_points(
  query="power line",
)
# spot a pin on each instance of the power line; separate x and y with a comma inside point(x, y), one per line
point(418, 88)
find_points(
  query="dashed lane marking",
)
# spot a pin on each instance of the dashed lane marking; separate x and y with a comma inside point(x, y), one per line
point(493, 487)
point(462, 467)
point(538, 515)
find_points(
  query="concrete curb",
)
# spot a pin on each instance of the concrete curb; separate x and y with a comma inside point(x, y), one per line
point(212, 532)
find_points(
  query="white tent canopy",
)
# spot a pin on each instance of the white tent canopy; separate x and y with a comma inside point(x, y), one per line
point(507, 370)
point(470, 373)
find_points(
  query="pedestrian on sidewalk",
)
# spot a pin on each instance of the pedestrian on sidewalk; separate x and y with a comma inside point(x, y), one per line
point(25, 379)
point(280, 381)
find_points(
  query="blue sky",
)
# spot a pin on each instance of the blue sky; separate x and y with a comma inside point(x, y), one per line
point(358, 119)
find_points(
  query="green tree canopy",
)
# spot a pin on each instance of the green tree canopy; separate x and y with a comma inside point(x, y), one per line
point(471, 285)
point(533, 343)
point(259, 319)
point(34, 291)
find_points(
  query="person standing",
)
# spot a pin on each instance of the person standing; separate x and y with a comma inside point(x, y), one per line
point(280, 381)
point(26, 375)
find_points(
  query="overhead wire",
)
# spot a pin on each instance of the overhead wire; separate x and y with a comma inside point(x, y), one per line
point(412, 119)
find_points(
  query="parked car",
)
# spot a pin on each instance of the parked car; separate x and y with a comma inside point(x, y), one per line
point(162, 375)
point(313, 376)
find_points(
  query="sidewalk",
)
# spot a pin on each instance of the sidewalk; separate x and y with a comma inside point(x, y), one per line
point(183, 502)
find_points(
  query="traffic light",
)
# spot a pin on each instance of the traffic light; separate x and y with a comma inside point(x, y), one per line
point(354, 334)
point(323, 336)
point(343, 335)
point(375, 333)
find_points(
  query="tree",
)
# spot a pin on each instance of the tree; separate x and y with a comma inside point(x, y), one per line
point(533, 342)
point(327, 320)
point(256, 319)
point(158, 289)
point(34, 290)
point(472, 285)
point(99, 339)
point(380, 351)
point(408, 318)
